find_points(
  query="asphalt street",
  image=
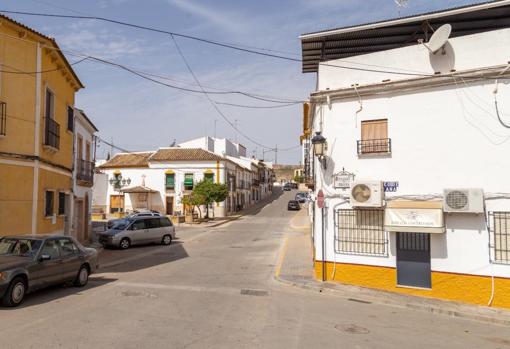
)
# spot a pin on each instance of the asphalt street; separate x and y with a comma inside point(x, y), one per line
point(215, 288)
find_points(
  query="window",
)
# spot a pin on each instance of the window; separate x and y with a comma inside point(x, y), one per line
point(49, 105)
point(209, 177)
point(51, 249)
point(152, 223)
point(67, 247)
point(138, 225)
point(165, 222)
point(361, 232)
point(188, 181)
point(61, 203)
point(500, 236)
point(170, 181)
point(374, 137)
point(70, 119)
point(48, 207)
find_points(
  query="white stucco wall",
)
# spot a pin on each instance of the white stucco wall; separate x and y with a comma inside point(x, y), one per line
point(441, 138)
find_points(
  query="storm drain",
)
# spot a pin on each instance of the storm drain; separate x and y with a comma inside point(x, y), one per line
point(252, 292)
point(358, 301)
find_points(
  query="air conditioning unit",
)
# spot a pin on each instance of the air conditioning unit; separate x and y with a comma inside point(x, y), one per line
point(366, 194)
point(463, 200)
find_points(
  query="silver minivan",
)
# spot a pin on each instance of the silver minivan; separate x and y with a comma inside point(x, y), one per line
point(138, 230)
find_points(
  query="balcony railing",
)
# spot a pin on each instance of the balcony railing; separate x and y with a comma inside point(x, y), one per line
point(85, 171)
point(52, 134)
point(374, 146)
point(3, 118)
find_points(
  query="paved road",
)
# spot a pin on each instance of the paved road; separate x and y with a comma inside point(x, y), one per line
point(215, 289)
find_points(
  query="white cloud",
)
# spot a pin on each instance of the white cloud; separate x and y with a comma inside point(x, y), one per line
point(223, 19)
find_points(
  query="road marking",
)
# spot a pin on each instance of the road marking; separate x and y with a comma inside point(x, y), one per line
point(281, 258)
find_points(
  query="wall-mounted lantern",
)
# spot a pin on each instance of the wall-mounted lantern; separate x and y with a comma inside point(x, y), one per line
point(118, 182)
point(320, 146)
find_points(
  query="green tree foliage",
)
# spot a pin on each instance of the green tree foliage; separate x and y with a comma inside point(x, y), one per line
point(210, 192)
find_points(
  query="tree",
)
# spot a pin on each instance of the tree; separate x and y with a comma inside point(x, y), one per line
point(193, 200)
point(210, 192)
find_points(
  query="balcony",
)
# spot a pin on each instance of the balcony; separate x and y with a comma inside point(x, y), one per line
point(52, 134)
point(3, 118)
point(374, 146)
point(85, 171)
point(255, 183)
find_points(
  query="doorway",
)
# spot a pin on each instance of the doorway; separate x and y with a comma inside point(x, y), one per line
point(170, 205)
point(413, 260)
point(79, 216)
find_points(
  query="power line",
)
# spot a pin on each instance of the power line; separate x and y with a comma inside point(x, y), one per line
point(212, 42)
point(258, 106)
point(213, 103)
point(39, 72)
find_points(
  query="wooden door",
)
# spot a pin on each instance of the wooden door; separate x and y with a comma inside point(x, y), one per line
point(169, 205)
point(79, 215)
point(116, 203)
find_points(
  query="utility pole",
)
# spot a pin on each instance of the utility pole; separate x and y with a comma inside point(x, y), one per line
point(235, 123)
point(276, 155)
point(215, 121)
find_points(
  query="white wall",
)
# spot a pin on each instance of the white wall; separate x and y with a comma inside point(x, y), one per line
point(441, 138)
point(466, 52)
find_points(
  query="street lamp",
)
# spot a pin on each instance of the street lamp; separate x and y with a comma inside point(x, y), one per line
point(319, 147)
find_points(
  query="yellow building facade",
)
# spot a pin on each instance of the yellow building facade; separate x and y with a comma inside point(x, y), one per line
point(37, 92)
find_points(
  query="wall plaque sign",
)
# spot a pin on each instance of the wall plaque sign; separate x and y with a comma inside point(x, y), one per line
point(343, 179)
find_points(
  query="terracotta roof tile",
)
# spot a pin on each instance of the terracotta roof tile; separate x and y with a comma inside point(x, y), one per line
point(185, 154)
point(128, 160)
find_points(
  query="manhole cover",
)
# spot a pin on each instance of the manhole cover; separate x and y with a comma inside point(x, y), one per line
point(352, 329)
point(251, 292)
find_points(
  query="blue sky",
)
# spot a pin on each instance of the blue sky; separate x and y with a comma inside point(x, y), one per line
point(139, 115)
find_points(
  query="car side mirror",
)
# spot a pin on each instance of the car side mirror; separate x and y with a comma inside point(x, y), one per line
point(45, 257)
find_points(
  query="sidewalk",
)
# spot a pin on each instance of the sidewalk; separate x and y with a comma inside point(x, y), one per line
point(295, 269)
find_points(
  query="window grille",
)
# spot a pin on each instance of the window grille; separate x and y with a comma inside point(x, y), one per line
point(361, 232)
point(499, 228)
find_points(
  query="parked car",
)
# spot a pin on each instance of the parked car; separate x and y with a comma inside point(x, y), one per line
point(136, 213)
point(29, 263)
point(301, 197)
point(287, 187)
point(294, 185)
point(293, 205)
point(138, 230)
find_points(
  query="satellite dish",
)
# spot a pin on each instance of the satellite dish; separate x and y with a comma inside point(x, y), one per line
point(439, 38)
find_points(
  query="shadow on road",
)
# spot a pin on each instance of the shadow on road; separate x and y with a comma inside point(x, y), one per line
point(59, 292)
point(140, 257)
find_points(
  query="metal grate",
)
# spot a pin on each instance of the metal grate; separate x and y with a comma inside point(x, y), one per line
point(52, 134)
point(457, 199)
point(3, 118)
point(361, 232)
point(374, 146)
point(500, 236)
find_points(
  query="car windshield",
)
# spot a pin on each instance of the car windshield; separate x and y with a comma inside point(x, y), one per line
point(120, 224)
point(19, 247)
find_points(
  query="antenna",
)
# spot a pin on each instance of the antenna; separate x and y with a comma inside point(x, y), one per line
point(439, 39)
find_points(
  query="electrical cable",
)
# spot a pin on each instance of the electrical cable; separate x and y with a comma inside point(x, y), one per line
point(42, 71)
point(497, 113)
point(258, 106)
point(212, 42)
point(218, 110)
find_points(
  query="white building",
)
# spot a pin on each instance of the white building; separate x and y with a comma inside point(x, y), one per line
point(403, 126)
point(83, 175)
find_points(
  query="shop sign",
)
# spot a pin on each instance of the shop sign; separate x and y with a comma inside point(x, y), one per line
point(343, 179)
point(415, 220)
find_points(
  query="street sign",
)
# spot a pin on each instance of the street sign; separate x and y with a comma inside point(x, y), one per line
point(343, 179)
point(320, 199)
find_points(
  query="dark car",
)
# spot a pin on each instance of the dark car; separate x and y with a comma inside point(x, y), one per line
point(293, 205)
point(287, 187)
point(294, 185)
point(29, 263)
point(301, 197)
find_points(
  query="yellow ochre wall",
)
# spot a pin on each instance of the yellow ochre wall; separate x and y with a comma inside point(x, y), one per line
point(456, 287)
point(15, 199)
point(18, 53)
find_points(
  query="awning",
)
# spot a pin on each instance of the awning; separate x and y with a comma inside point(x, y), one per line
point(414, 220)
point(138, 189)
point(188, 181)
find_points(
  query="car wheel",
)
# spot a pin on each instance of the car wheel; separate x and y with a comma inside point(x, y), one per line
point(125, 244)
point(83, 277)
point(166, 240)
point(15, 293)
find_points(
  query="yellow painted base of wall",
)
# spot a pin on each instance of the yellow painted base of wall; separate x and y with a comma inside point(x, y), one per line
point(456, 287)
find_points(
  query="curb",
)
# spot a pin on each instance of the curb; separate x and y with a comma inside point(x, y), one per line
point(429, 308)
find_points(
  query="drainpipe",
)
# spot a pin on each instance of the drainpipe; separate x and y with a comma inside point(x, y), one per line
point(37, 133)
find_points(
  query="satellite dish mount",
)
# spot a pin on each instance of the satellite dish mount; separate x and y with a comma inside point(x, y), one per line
point(439, 39)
